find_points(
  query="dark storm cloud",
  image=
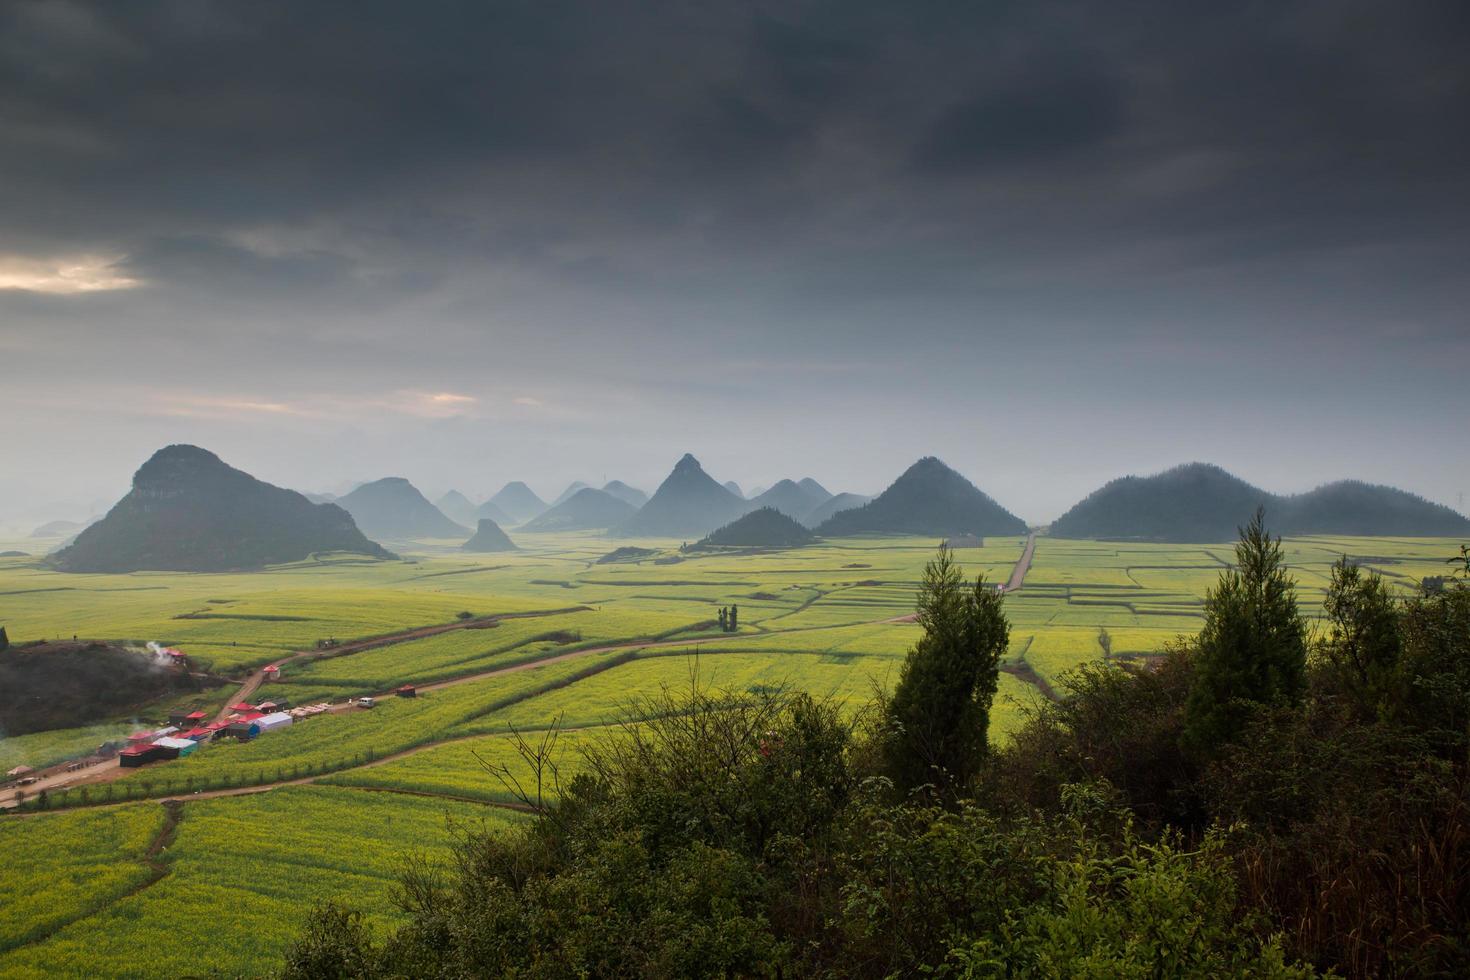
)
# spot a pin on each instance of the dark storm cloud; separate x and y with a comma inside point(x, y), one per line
point(602, 191)
point(1040, 115)
point(1049, 122)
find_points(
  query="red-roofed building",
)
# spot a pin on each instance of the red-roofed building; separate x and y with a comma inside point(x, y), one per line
point(272, 673)
point(242, 706)
point(140, 738)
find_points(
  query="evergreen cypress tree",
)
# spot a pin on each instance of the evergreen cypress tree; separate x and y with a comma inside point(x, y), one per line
point(1253, 648)
point(734, 619)
point(939, 715)
point(1364, 645)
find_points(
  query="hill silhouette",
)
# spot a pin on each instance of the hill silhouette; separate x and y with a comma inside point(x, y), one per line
point(188, 511)
point(490, 512)
point(1193, 502)
point(734, 488)
point(689, 503)
point(1352, 507)
point(393, 508)
point(489, 537)
point(55, 529)
point(833, 505)
point(766, 527)
point(573, 488)
point(517, 502)
point(929, 498)
point(457, 507)
point(1200, 502)
point(585, 510)
point(792, 499)
point(628, 495)
point(815, 489)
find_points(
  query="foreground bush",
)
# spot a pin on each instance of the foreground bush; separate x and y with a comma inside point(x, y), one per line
point(1234, 808)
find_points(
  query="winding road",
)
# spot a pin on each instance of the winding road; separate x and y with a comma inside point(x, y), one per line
point(107, 772)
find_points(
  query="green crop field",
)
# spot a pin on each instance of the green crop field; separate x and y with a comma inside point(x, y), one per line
point(81, 896)
point(63, 867)
point(239, 875)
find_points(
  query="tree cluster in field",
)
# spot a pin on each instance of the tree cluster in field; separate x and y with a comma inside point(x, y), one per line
point(55, 685)
point(730, 619)
point(765, 527)
point(1262, 801)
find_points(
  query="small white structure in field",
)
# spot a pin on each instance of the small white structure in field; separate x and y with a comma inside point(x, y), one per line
point(271, 722)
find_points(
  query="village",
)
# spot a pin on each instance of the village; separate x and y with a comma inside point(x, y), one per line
point(186, 732)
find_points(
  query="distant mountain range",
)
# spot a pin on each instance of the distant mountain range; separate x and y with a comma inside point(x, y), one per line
point(765, 527)
point(188, 511)
point(572, 489)
point(489, 537)
point(585, 510)
point(628, 495)
point(834, 504)
point(689, 504)
point(929, 498)
point(393, 508)
point(57, 529)
point(1200, 502)
point(795, 500)
point(457, 507)
point(515, 501)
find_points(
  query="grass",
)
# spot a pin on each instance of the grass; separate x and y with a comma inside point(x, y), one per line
point(244, 869)
point(42, 749)
point(461, 768)
point(240, 874)
point(63, 867)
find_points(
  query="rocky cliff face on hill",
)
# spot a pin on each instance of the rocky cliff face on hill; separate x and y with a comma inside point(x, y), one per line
point(393, 508)
point(190, 512)
point(929, 498)
point(688, 504)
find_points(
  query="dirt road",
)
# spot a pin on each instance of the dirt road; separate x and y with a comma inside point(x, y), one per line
point(107, 772)
point(257, 677)
point(1018, 574)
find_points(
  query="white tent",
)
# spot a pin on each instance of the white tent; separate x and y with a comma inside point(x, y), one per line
point(271, 722)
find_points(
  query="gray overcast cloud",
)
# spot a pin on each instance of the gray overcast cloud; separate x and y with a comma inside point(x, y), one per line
point(1050, 242)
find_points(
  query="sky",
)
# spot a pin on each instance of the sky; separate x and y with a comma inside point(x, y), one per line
point(1051, 243)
